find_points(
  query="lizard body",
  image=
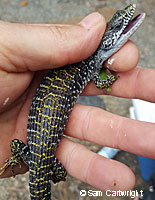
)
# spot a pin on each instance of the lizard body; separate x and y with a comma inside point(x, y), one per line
point(53, 103)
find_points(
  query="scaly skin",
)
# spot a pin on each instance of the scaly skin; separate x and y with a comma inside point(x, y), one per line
point(53, 103)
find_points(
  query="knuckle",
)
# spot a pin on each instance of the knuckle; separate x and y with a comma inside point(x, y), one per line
point(60, 35)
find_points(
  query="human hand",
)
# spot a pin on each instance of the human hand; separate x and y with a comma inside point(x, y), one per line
point(25, 49)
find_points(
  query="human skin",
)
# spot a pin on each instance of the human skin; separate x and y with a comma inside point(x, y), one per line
point(26, 51)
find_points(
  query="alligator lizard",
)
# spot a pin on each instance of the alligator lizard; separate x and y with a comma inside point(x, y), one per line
point(53, 103)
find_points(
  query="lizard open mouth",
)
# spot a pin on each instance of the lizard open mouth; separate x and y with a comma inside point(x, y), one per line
point(134, 23)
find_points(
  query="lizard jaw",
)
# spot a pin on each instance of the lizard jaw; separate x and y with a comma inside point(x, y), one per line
point(134, 24)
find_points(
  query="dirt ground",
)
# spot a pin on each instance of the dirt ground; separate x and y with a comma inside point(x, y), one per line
point(69, 11)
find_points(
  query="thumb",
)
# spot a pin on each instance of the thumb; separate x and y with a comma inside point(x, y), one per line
point(37, 47)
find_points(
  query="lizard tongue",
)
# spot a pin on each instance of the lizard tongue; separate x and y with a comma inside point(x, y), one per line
point(133, 22)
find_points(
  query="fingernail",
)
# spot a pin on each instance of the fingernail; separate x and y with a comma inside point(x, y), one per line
point(110, 61)
point(91, 20)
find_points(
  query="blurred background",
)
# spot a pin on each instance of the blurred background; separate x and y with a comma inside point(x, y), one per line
point(71, 12)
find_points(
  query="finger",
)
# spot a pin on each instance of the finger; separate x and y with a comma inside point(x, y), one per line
point(137, 83)
point(96, 125)
point(100, 172)
point(91, 168)
point(36, 47)
point(125, 59)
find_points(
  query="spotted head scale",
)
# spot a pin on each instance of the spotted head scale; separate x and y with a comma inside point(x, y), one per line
point(116, 26)
point(118, 31)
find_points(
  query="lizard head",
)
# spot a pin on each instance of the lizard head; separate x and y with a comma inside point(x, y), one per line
point(121, 26)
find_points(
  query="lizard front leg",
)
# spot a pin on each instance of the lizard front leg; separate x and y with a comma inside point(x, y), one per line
point(104, 78)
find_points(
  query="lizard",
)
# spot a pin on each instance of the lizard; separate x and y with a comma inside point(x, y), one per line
point(53, 102)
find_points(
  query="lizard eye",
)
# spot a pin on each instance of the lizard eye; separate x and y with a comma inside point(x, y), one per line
point(118, 26)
